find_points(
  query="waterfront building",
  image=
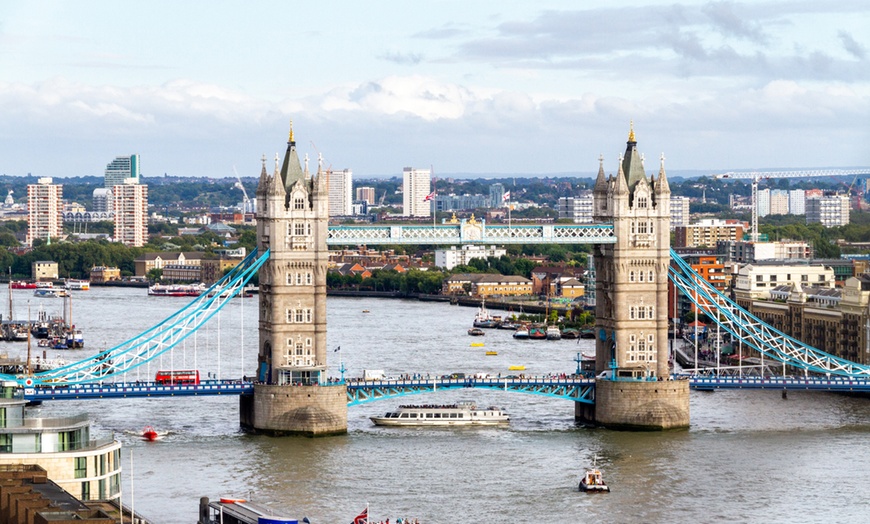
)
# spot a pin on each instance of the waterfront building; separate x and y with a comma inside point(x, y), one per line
point(44, 210)
point(756, 280)
point(679, 211)
point(745, 251)
point(830, 210)
point(834, 320)
point(102, 274)
point(797, 202)
point(578, 209)
point(367, 194)
point(340, 192)
point(130, 204)
point(149, 261)
point(708, 232)
point(44, 270)
point(87, 468)
point(483, 285)
point(121, 169)
point(416, 187)
point(706, 263)
point(549, 280)
point(452, 257)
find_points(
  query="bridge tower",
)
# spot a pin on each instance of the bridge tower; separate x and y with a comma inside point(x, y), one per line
point(631, 322)
point(292, 395)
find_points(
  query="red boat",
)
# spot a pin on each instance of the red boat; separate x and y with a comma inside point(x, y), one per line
point(149, 434)
point(21, 284)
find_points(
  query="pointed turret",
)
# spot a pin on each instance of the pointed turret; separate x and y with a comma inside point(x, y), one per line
point(264, 179)
point(601, 180)
point(621, 187)
point(291, 170)
point(662, 185)
point(632, 163)
point(276, 185)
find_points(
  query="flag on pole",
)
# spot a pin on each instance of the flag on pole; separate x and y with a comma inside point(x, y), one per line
point(336, 349)
point(506, 196)
point(429, 197)
point(362, 518)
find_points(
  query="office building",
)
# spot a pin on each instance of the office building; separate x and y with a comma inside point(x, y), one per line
point(340, 192)
point(44, 210)
point(496, 195)
point(416, 187)
point(131, 213)
point(121, 169)
point(830, 210)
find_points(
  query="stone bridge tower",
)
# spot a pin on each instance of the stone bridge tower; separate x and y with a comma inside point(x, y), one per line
point(631, 323)
point(292, 395)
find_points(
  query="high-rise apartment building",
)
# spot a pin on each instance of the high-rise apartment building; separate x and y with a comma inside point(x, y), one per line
point(578, 209)
point(340, 192)
point(797, 202)
point(778, 202)
point(679, 211)
point(121, 169)
point(496, 196)
point(44, 210)
point(367, 194)
point(102, 200)
point(829, 210)
point(130, 201)
point(417, 184)
point(763, 202)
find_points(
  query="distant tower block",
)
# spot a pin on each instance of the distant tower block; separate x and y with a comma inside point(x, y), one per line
point(631, 323)
point(292, 395)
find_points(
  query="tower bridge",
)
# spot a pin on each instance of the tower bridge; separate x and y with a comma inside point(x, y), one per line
point(290, 392)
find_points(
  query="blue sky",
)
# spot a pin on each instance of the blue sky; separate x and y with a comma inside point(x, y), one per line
point(463, 86)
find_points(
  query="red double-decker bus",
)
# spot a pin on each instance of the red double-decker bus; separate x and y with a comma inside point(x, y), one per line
point(178, 376)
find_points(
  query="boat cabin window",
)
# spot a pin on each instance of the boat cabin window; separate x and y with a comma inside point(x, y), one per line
point(428, 415)
point(404, 415)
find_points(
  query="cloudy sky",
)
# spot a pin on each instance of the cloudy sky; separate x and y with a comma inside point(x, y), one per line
point(477, 87)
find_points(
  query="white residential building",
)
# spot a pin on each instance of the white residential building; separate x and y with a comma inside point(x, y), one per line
point(763, 202)
point(131, 213)
point(44, 210)
point(828, 210)
point(578, 209)
point(756, 280)
point(797, 202)
point(416, 186)
point(340, 192)
point(450, 258)
point(778, 202)
point(679, 211)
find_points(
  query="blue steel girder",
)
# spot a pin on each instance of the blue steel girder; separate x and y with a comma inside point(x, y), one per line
point(577, 390)
point(750, 330)
point(471, 233)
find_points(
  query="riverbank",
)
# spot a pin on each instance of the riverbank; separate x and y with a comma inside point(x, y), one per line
point(531, 306)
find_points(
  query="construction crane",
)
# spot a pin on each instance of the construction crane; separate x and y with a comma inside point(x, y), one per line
point(246, 202)
point(755, 176)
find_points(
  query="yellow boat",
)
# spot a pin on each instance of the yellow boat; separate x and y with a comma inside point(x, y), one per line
point(517, 368)
point(477, 344)
point(492, 352)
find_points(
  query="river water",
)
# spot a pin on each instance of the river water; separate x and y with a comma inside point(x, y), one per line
point(748, 457)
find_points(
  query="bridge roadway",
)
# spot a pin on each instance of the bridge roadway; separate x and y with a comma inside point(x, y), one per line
point(361, 392)
point(470, 232)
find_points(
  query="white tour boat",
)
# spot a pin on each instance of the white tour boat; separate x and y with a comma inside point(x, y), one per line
point(459, 414)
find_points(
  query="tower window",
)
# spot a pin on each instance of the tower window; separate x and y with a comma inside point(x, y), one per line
point(299, 203)
point(642, 202)
point(299, 229)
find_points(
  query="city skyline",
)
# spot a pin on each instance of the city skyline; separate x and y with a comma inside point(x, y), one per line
point(478, 89)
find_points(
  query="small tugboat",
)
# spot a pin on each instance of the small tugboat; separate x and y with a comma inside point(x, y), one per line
point(592, 482)
point(476, 332)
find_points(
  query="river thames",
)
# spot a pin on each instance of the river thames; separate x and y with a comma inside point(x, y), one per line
point(748, 457)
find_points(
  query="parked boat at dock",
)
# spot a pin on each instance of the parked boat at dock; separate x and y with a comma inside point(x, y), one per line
point(459, 414)
point(483, 319)
point(176, 290)
point(77, 285)
point(553, 333)
point(522, 332)
point(21, 284)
